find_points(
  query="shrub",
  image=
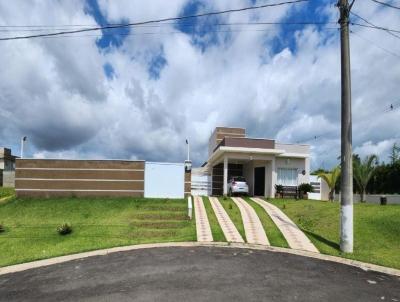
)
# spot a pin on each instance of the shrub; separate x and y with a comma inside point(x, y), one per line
point(2, 228)
point(64, 229)
point(279, 189)
point(305, 188)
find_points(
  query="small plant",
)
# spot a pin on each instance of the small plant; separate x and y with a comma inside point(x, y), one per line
point(225, 198)
point(64, 229)
point(305, 188)
point(279, 190)
point(2, 228)
point(230, 206)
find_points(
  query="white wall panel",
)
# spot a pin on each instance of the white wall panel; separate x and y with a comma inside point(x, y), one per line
point(164, 180)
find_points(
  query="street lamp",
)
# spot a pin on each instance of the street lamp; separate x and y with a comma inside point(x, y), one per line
point(188, 150)
point(23, 139)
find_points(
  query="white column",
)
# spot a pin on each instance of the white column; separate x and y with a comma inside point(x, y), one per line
point(266, 181)
point(273, 178)
point(225, 176)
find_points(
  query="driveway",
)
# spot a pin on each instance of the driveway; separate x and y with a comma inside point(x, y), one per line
point(198, 274)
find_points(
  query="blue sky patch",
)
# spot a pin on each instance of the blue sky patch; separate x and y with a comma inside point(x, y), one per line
point(310, 12)
point(111, 37)
point(156, 64)
point(203, 31)
point(109, 71)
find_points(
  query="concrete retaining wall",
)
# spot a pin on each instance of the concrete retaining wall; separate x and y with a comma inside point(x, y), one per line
point(8, 179)
point(57, 177)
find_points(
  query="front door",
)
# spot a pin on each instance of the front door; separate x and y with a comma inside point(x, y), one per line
point(259, 181)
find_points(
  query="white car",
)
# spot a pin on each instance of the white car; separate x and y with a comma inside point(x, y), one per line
point(237, 184)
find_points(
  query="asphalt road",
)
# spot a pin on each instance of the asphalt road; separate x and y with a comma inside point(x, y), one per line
point(198, 274)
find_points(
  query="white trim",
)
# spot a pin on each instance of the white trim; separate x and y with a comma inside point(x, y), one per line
point(251, 150)
point(224, 149)
point(294, 155)
point(79, 169)
point(76, 190)
point(79, 179)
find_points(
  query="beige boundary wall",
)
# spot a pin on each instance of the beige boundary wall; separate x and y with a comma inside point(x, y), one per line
point(58, 177)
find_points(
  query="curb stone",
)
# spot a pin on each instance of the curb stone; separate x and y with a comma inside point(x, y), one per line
point(41, 263)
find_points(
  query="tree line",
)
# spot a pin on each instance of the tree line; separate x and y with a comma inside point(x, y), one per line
point(369, 175)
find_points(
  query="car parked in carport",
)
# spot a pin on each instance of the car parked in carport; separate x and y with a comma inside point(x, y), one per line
point(237, 185)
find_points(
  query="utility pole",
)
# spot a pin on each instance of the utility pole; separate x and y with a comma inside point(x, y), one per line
point(346, 178)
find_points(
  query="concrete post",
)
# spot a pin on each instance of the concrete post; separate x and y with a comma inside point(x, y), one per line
point(346, 183)
point(273, 178)
point(225, 176)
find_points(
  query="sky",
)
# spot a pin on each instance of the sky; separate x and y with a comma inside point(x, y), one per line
point(139, 92)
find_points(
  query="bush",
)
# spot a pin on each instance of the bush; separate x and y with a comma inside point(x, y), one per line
point(64, 229)
point(279, 189)
point(305, 188)
point(2, 228)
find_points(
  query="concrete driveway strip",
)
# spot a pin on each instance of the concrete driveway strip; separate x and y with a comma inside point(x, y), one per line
point(253, 228)
point(228, 228)
point(198, 274)
point(203, 228)
point(293, 235)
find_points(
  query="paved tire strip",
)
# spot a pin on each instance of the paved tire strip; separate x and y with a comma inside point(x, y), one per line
point(253, 227)
point(228, 228)
point(293, 235)
point(203, 229)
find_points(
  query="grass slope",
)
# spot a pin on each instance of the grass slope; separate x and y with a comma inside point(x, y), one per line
point(274, 235)
point(4, 192)
point(234, 213)
point(218, 234)
point(376, 229)
point(97, 223)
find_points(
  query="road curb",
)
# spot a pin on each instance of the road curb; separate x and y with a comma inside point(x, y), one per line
point(46, 262)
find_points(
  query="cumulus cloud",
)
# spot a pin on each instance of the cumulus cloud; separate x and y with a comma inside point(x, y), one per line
point(140, 98)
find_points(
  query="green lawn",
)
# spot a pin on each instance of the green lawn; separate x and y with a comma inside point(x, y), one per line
point(376, 229)
point(274, 235)
point(97, 223)
point(4, 192)
point(234, 213)
point(218, 234)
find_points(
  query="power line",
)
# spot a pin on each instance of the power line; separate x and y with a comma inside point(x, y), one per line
point(5, 28)
point(392, 107)
point(194, 25)
point(168, 33)
point(377, 27)
point(376, 45)
point(373, 25)
point(152, 21)
point(386, 4)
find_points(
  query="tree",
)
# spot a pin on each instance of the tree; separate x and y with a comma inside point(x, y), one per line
point(362, 173)
point(331, 180)
point(395, 154)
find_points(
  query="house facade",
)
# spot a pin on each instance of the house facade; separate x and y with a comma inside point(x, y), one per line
point(263, 162)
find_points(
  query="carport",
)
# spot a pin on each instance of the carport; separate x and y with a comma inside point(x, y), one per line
point(250, 160)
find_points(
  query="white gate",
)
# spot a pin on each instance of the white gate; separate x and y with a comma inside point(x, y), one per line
point(164, 180)
point(201, 183)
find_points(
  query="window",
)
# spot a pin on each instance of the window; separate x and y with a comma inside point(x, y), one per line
point(287, 177)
